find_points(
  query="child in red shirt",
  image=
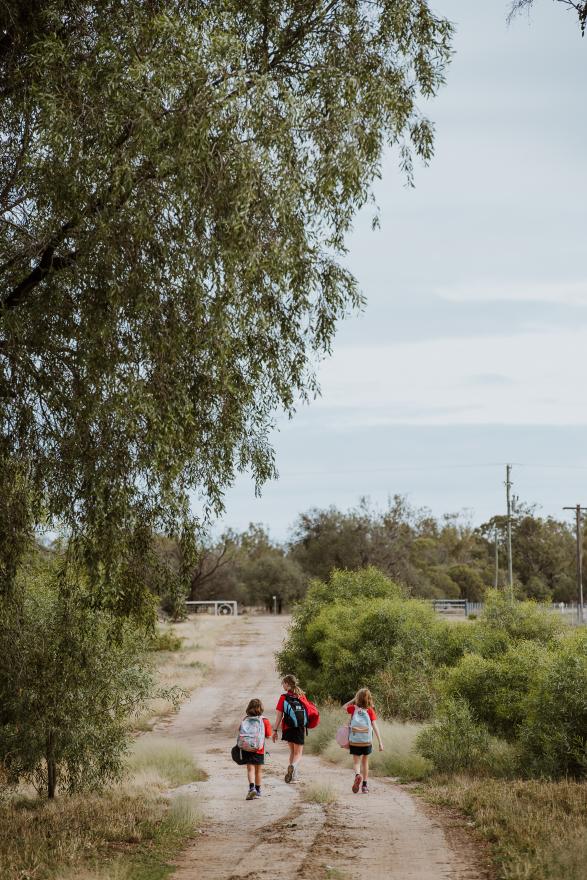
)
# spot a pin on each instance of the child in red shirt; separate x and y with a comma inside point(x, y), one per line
point(254, 760)
point(360, 753)
point(293, 736)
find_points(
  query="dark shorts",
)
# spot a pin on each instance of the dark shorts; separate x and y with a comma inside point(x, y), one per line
point(239, 756)
point(360, 750)
point(253, 758)
point(294, 735)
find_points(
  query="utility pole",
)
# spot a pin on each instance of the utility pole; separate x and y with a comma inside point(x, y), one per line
point(508, 486)
point(496, 579)
point(578, 510)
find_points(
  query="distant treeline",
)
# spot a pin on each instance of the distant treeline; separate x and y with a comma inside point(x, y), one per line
point(430, 557)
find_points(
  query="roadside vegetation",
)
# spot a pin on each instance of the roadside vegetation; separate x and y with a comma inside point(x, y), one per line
point(80, 794)
point(432, 558)
point(489, 715)
point(127, 831)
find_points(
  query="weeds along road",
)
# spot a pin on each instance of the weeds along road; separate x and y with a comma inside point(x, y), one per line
point(384, 834)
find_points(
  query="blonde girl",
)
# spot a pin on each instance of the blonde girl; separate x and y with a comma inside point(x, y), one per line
point(360, 753)
point(290, 708)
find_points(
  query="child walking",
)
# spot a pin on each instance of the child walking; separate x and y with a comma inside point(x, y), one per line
point(254, 729)
point(292, 715)
point(362, 724)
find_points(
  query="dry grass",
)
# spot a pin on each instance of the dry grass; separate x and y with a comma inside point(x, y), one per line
point(130, 831)
point(399, 757)
point(538, 830)
point(40, 840)
point(161, 763)
point(63, 839)
point(319, 793)
point(184, 668)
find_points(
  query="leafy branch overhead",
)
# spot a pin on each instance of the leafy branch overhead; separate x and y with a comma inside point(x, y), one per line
point(579, 6)
point(177, 180)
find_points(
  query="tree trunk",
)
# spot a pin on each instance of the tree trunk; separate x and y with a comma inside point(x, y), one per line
point(51, 766)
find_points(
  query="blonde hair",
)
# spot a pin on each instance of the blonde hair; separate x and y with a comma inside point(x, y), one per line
point(291, 683)
point(363, 699)
point(255, 707)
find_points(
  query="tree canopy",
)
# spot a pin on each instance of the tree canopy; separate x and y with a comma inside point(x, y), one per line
point(177, 179)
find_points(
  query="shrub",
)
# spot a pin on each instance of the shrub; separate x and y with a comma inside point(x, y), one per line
point(504, 622)
point(455, 741)
point(554, 732)
point(496, 687)
point(69, 677)
point(299, 654)
point(406, 693)
point(165, 640)
point(360, 629)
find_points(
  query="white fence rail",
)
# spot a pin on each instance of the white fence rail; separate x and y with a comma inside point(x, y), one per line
point(568, 610)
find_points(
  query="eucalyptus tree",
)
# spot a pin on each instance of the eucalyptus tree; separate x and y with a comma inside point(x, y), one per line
point(177, 179)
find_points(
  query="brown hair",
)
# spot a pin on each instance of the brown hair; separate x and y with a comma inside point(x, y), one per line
point(291, 683)
point(255, 707)
point(363, 699)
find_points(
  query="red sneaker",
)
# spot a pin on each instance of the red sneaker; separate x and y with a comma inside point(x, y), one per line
point(357, 783)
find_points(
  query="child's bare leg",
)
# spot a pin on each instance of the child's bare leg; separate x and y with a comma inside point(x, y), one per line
point(356, 762)
point(296, 753)
point(258, 775)
point(290, 767)
point(365, 767)
point(251, 773)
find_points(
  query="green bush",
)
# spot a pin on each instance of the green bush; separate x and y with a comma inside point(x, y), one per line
point(455, 741)
point(360, 629)
point(496, 688)
point(165, 640)
point(70, 676)
point(406, 693)
point(504, 622)
point(553, 735)
point(353, 641)
point(512, 686)
point(303, 652)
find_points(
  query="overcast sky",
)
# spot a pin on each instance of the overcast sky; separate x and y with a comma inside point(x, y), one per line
point(472, 349)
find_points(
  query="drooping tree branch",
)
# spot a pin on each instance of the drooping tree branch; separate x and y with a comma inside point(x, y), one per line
point(580, 7)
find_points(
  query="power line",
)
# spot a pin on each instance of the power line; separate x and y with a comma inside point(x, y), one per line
point(424, 468)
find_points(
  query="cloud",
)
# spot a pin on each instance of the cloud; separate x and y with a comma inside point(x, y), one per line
point(490, 379)
point(524, 378)
point(572, 293)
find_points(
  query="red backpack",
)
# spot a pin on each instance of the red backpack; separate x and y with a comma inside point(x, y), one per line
point(312, 712)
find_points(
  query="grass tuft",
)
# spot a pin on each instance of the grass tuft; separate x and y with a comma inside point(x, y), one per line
point(319, 793)
point(184, 815)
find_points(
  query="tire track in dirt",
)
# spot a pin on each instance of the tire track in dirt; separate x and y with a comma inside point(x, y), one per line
point(385, 834)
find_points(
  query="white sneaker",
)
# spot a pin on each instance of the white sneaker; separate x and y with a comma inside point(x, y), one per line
point(295, 775)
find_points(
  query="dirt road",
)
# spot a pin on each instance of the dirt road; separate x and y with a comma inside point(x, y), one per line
point(381, 835)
